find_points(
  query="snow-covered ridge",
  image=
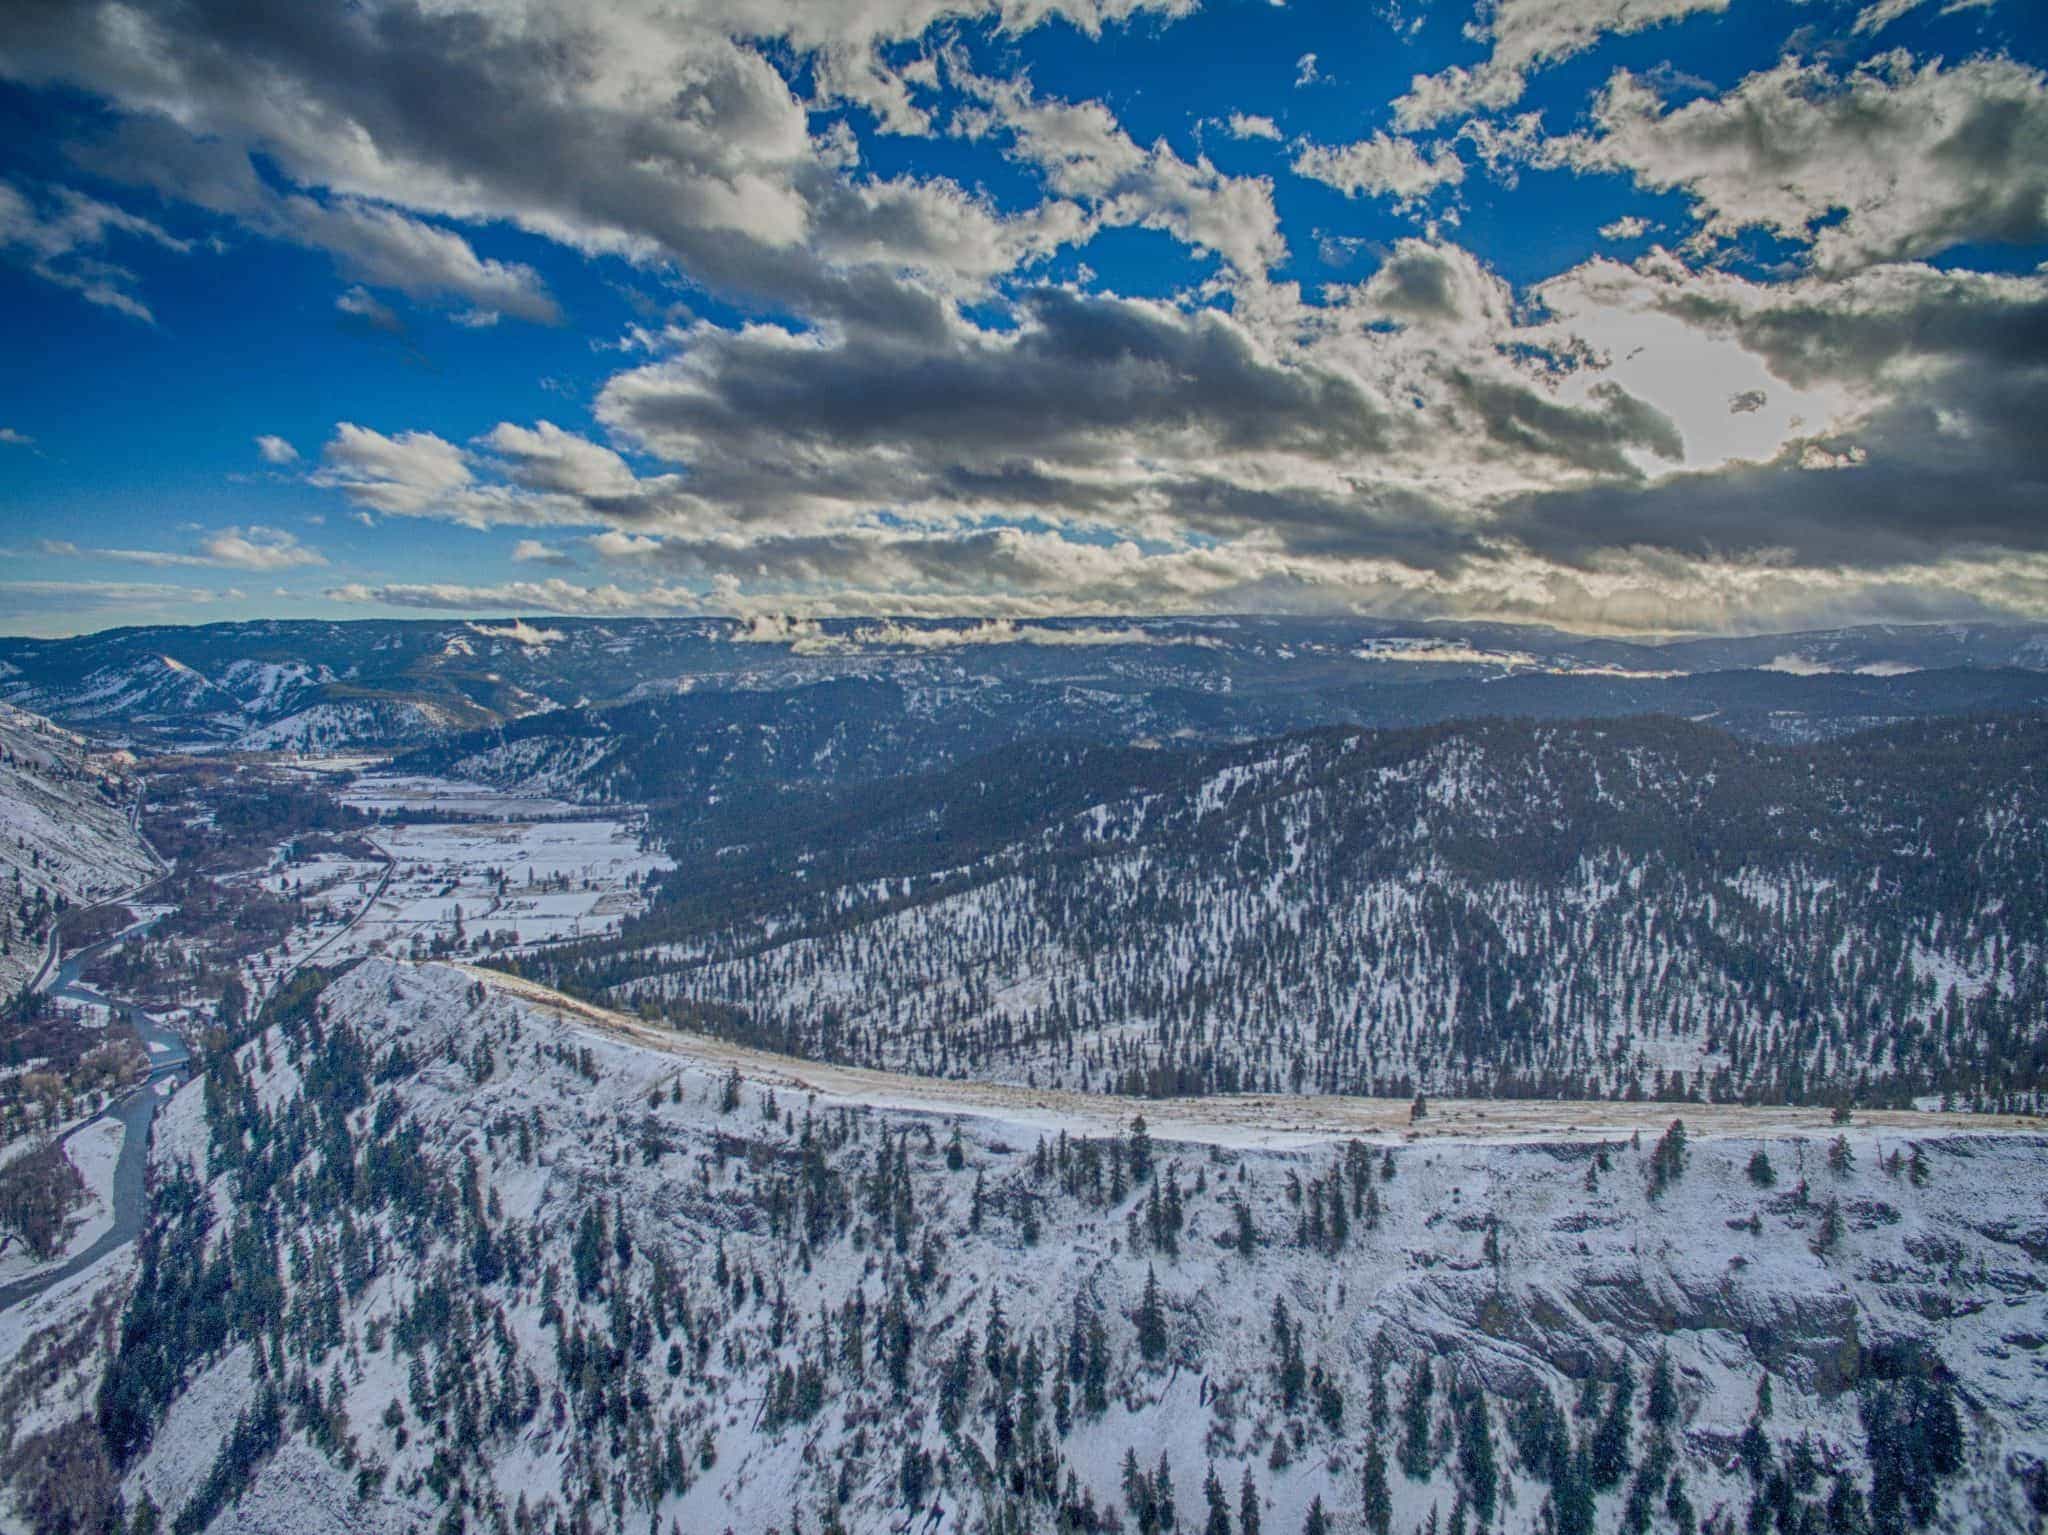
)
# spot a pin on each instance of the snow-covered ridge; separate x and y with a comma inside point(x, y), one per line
point(828, 1276)
point(65, 835)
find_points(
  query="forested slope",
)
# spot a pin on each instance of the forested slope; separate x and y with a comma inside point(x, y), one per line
point(1496, 908)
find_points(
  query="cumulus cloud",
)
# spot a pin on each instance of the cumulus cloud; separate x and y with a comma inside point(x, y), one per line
point(1382, 166)
point(385, 248)
point(911, 415)
point(1084, 154)
point(1883, 161)
point(1528, 35)
point(275, 450)
point(409, 474)
point(652, 131)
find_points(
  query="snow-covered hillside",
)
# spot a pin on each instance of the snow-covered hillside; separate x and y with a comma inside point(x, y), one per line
point(65, 836)
point(448, 1252)
point(1493, 909)
point(349, 723)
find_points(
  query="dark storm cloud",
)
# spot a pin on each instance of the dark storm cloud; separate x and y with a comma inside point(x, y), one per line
point(1525, 420)
point(665, 142)
point(1961, 472)
point(1082, 376)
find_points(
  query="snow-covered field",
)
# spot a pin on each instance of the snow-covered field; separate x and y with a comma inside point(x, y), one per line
point(93, 1151)
point(515, 871)
point(451, 797)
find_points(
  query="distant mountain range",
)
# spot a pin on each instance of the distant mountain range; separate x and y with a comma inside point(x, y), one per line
point(848, 695)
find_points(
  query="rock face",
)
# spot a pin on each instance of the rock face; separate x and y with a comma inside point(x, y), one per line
point(438, 1243)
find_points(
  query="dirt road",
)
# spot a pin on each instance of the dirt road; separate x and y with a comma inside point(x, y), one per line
point(1252, 1120)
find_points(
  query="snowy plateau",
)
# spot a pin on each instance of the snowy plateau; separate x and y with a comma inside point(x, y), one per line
point(444, 1250)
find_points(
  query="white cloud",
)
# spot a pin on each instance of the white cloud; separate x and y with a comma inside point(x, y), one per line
point(71, 596)
point(275, 450)
point(252, 548)
point(258, 548)
point(531, 551)
point(365, 306)
point(1888, 160)
point(57, 240)
point(1084, 154)
point(1628, 227)
point(1877, 16)
point(1244, 125)
point(11, 438)
point(1528, 35)
point(549, 596)
point(1381, 166)
point(654, 130)
point(411, 474)
point(522, 634)
point(386, 248)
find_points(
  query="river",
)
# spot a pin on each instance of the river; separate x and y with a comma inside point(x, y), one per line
point(168, 1062)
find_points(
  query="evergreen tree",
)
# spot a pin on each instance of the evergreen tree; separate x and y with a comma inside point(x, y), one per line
point(1667, 1161)
point(1151, 1321)
point(1662, 1407)
point(1417, 1455)
point(1140, 1150)
point(1218, 1502)
point(1609, 1455)
point(1376, 1501)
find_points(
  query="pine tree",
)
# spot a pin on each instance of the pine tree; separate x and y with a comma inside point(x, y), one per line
point(1377, 1502)
point(1151, 1320)
point(1478, 1467)
point(1218, 1521)
point(1140, 1150)
point(1609, 1456)
point(1662, 1407)
point(1416, 1457)
point(1162, 1493)
point(1247, 1504)
point(1667, 1161)
point(1829, 1237)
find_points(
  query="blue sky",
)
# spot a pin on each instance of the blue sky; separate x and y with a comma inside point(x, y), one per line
point(1674, 314)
